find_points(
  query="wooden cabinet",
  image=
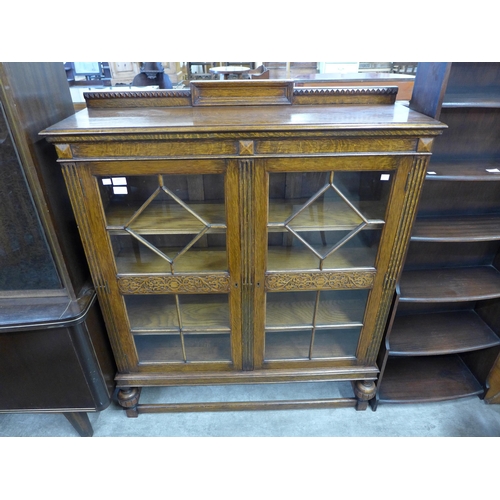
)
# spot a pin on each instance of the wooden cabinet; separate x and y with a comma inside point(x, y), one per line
point(244, 231)
point(443, 341)
point(54, 351)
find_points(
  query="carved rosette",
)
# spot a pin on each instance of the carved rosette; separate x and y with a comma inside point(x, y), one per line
point(174, 284)
point(319, 281)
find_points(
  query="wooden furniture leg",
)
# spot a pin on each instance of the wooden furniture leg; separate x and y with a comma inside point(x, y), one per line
point(364, 391)
point(80, 421)
point(128, 398)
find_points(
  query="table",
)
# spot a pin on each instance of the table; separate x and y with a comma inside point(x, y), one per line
point(225, 71)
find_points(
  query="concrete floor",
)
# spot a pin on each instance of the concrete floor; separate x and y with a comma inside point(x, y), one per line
point(311, 458)
point(457, 418)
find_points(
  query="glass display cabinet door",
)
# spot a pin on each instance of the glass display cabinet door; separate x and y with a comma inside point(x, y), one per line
point(324, 230)
point(169, 238)
point(26, 263)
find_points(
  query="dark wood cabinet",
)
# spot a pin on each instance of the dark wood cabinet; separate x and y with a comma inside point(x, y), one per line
point(54, 351)
point(244, 231)
point(443, 338)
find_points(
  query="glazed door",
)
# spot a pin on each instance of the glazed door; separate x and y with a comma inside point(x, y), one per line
point(170, 253)
point(325, 222)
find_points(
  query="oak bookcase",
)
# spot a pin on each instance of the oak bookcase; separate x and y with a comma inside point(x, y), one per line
point(245, 231)
point(443, 336)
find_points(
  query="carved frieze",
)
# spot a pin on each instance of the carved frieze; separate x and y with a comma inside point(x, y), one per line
point(336, 280)
point(214, 283)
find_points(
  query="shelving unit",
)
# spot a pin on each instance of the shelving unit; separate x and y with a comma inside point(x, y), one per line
point(442, 340)
point(245, 231)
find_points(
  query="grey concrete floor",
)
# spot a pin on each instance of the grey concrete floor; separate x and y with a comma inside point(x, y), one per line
point(463, 417)
point(292, 454)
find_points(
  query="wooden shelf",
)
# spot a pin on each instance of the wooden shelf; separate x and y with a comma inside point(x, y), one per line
point(195, 260)
point(168, 348)
point(167, 218)
point(295, 311)
point(440, 333)
point(439, 346)
point(427, 378)
point(301, 258)
point(157, 314)
point(450, 284)
point(325, 216)
point(476, 99)
point(295, 345)
point(172, 218)
point(461, 228)
point(463, 170)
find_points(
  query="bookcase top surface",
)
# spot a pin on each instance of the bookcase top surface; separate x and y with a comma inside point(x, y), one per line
point(234, 118)
point(242, 106)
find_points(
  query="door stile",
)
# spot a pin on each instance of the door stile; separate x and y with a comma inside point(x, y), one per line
point(403, 206)
point(234, 249)
point(261, 189)
point(247, 237)
point(86, 202)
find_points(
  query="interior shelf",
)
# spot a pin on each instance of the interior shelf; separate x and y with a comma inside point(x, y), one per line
point(457, 228)
point(172, 218)
point(295, 311)
point(168, 348)
point(195, 260)
point(427, 378)
point(295, 258)
point(167, 218)
point(450, 284)
point(463, 170)
point(324, 215)
point(295, 345)
point(440, 333)
point(158, 313)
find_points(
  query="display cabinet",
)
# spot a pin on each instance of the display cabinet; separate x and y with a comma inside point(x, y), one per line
point(54, 352)
point(244, 231)
point(443, 339)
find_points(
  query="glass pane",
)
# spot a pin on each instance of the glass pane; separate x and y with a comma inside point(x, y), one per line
point(168, 348)
point(166, 223)
point(326, 220)
point(161, 313)
point(334, 343)
point(330, 308)
point(206, 255)
point(287, 252)
point(25, 259)
point(180, 328)
point(312, 325)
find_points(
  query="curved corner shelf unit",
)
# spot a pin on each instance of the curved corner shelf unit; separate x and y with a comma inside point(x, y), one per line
point(442, 340)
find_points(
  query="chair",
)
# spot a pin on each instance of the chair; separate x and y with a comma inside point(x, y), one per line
point(409, 68)
point(259, 73)
point(200, 71)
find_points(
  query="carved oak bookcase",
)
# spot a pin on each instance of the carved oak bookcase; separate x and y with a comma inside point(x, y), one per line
point(245, 232)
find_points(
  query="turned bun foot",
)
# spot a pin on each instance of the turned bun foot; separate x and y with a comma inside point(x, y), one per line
point(364, 390)
point(128, 399)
